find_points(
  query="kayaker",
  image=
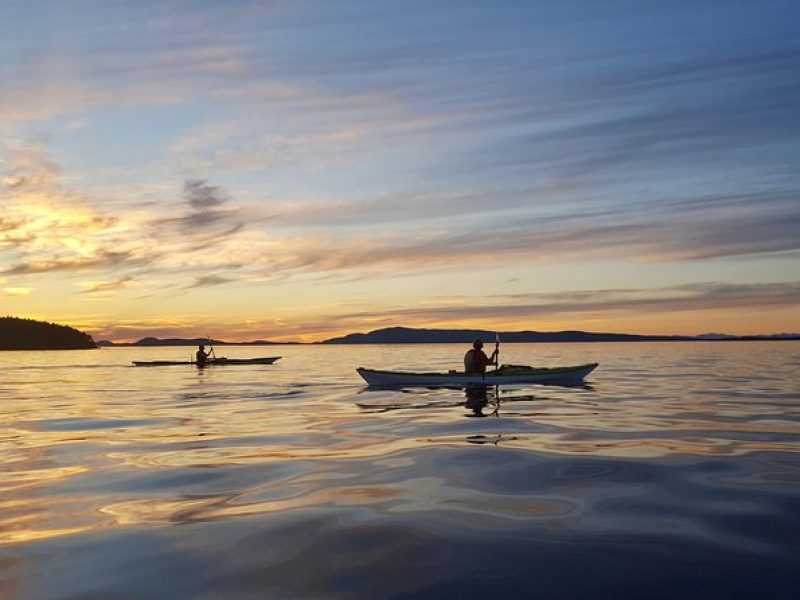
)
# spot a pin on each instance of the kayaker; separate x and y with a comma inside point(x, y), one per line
point(201, 356)
point(475, 360)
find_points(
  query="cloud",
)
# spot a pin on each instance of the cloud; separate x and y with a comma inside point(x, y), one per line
point(403, 207)
point(341, 235)
point(103, 287)
point(205, 220)
point(528, 144)
point(102, 260)
point(677, 110)
point(17, 291)
point(210, 280)
point(710, 296)
point(48, 228)
point(202, 197)
point(680, 230)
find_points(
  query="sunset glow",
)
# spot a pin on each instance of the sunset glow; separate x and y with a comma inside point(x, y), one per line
point(295, 171)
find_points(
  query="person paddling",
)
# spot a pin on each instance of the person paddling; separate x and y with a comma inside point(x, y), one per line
point(475, 360)
point(201, 356)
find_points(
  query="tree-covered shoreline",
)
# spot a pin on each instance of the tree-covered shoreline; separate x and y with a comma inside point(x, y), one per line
point(29, 334)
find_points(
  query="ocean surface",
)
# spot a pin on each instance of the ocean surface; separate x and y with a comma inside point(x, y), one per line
point(673, 473)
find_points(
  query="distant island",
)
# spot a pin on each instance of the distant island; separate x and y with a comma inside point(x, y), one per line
point(407, 335)
point(28, 334)
point(153, 341)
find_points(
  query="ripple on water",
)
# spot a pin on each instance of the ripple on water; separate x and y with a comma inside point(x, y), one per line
point(675, 472)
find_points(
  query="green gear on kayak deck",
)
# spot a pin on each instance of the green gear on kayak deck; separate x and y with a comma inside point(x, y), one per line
point(525, 370)
point(514, 370)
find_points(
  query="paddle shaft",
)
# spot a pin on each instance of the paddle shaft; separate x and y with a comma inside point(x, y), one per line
point(496, 356)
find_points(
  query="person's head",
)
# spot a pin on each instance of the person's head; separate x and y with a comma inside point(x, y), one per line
point(477, 344)
point(202, 347)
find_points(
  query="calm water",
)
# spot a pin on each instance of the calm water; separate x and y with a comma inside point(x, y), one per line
point(674, 473)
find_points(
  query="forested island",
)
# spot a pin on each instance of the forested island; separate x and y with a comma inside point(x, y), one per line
point(152, 341)
point(28, 334)
point(407, 335)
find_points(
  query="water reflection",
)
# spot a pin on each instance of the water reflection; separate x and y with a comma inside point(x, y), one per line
point(478, 398)
point(145, 480)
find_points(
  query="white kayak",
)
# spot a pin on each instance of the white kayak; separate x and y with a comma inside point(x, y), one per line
point(506, 374)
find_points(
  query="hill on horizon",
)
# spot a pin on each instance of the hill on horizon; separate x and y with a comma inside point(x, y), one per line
point(29, 334)
point(154, 341)
point(408, 335)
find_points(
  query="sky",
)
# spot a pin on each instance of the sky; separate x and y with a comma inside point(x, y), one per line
point(295, 170)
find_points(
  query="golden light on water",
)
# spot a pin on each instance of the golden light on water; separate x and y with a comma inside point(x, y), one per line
point(299, 171)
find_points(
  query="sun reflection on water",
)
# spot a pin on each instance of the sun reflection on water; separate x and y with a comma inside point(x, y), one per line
point(104, 451)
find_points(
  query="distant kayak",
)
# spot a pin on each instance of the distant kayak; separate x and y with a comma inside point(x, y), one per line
point(214, 362)
point(506, 374)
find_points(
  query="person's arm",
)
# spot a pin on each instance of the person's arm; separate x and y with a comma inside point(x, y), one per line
point(493, 359)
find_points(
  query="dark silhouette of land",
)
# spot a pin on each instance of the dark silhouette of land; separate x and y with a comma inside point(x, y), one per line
point(27, 334)
point(152, 341)
point(407, 335)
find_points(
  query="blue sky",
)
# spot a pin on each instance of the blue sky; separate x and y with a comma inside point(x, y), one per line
point(295, 169)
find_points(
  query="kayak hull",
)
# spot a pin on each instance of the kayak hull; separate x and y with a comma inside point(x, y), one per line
point(218, 362)
point(573, 374)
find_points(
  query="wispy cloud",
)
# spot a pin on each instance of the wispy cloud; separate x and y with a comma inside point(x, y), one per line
point(210, 280)
point(49, 228)
point(242, 143)
point(52, 229)
point(104, 287)
point(578, 304)
point(102, 260)
point(205, 210)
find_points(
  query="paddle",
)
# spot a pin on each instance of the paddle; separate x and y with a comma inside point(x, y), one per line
point(497, 370)
point(213, 354)
point(495, 354)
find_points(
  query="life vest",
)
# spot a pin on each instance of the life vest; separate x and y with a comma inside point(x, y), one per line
point(470, 364)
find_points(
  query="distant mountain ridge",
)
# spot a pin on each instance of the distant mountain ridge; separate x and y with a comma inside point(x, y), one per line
point(153, 341)
point(408, 335)
point(29, 334)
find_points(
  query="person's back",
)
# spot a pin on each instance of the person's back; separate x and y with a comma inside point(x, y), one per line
point(475, 360)
point(201, 356)
point(469, 361)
